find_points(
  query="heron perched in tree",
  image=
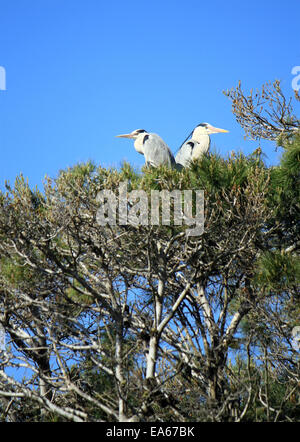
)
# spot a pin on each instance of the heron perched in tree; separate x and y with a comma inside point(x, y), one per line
point(152, 146)
point(198, 145)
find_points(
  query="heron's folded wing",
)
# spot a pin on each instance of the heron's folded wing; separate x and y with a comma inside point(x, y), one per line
point(157, 152)
point(184, 155)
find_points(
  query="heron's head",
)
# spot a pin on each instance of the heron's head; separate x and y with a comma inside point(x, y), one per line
point(206, 129)
point(134, 134)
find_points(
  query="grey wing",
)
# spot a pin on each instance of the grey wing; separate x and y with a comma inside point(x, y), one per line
point(157, 152)
point(184, 155)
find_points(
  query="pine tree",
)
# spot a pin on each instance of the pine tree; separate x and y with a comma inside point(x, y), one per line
point(142, 322)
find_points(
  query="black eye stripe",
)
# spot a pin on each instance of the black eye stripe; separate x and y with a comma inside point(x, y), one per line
point(140, 131)
point(145, 138)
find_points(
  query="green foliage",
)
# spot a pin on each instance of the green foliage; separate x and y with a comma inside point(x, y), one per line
point(277, 271)
point(284, 195)
point(15, 272)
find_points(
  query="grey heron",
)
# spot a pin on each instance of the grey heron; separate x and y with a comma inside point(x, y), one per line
point(152, 146)
point(198, 145)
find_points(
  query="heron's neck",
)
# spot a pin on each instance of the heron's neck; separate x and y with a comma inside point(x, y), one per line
point(138, 144)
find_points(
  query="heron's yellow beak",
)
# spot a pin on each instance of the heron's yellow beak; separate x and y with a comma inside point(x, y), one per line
point(125, 136)
point(217, 130)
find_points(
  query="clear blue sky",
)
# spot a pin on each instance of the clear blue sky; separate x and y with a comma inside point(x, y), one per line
point(79, 72)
